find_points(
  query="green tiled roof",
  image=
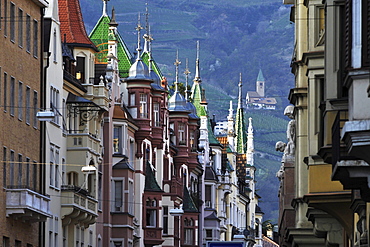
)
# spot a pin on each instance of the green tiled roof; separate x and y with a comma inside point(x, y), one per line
point(188, 203)
point(241, 136)
point(151, 183)
point(99, 36)
point(196, 98)
point(211, 137)
point(145, 58)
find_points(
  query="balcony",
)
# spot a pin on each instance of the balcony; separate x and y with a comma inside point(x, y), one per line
point(78, 206)
point(350, 158)
point(27, 205)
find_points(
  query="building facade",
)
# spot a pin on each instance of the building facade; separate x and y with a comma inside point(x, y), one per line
point(330, 62)
point(24, 203)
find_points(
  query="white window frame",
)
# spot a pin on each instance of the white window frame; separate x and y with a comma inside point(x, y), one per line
point(143, 110)
point(156, 114)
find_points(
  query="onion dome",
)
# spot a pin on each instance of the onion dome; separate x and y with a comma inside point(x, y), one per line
point(177, 102)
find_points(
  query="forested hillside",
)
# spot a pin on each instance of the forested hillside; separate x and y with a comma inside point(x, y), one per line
point(236, 36)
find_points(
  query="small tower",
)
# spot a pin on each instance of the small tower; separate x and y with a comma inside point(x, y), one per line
point(230, 126)
point(260, 84)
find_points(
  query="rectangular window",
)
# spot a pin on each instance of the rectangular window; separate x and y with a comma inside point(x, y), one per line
point(181, 129)
point(165, 220)
point(189, 236)
point(28, 105)
point(54, 104)
point(12, 95)
point(51, 171)
point(18, 243)
point(56, 170)
point(208, 196)
point(100, 181)
point(64, 125)
point(20, 27)
point(20, 100)
point(80, 69)
point(63, 171)
point(143, 106)
point(20, 172)
point(28, 33)
point(6, 242)
point(209, 234)
point(55, 46)
point(11, 167)
point(5, 18)
point(28, 170)
point(35, 108)
point(5, 91)
point(117, 139)
point(118, 195)
point(4, 166)
point(151, 213)
point(156, 115)
point(131, 197)
point(35, 38)
point(132, 99)
point(34, 175)
point(12, 22)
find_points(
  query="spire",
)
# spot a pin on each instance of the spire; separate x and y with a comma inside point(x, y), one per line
point(177, 63)
point(240, 99)
point(240, 131)
point(138, 29)
point(250, 144)
point(260, 76)
point(113, 20)
point(105, 3)
point(186, 72)
point(147, 28)
point(197, 68)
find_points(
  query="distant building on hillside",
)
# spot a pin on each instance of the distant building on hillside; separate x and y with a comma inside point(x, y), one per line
point(256, 99)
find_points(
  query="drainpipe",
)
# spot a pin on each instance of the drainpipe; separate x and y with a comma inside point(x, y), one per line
point(43, 81)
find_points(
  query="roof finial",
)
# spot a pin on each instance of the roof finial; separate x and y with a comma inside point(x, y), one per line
point(105, 3)
point(197, 70)
point(177, 63)
point(147, 28)
point(138, 29)
point(240, 99)
point(187, 72)
point(113, 20)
